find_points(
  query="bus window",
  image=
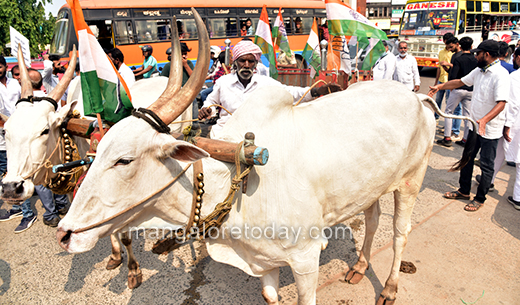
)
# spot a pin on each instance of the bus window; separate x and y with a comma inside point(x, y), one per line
point(59, 39)
point(512, 7)
point(495, 7)
point(288, 24)
point(223, 27)
point(302, 25)
point(250, 26)
point(479, 6)
point(190, 29)
point(102, 29)
point(461, 21)
point(470, 6)
point(124, 33)
point(152, 30)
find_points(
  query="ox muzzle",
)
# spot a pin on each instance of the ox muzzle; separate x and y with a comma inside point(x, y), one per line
point(16, 190)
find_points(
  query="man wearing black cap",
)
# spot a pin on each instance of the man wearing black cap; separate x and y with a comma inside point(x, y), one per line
point(491, 88)
point(187, 65)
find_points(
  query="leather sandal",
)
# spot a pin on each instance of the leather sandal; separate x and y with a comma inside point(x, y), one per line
point(456, 195)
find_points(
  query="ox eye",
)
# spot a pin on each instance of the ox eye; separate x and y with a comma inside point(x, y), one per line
point(46, 131)
point(123, 162)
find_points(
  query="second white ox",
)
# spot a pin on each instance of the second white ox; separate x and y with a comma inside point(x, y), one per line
point(329, 160)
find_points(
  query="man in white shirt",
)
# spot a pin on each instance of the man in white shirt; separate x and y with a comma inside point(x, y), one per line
point(51, 67)
point(406, 70)
point(232, 90)
point(118, 59)
point(9, 94)
point(385, 65)
point(491, 89)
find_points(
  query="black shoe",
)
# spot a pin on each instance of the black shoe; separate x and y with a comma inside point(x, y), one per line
point(53, 222)
point(444, 142)
point(513, 164)
point(461, 143)
point(63, 211)
point(515, 203)
point(491, 187)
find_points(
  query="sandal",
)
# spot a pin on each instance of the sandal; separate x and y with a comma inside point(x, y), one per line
point(473, 206)
point(456, 195)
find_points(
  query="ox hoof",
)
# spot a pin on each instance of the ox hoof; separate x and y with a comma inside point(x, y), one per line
point(385, 301)
point(113, 263)
point(135, 280)
point(353, 277)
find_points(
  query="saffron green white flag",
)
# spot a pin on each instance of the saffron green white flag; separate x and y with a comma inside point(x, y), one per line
point(264, 41)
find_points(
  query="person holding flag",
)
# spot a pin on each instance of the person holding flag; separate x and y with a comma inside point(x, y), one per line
point(264, 41)
point(231, 90)
point(344, 21)
point(105, 93)
point(286, 58)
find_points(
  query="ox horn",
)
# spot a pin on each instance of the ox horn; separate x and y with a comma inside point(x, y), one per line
point(175, 78)
point(169, 107)
point(27, 89)
point(60, 88)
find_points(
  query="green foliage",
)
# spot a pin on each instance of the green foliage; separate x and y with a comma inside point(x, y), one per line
point(27, 17)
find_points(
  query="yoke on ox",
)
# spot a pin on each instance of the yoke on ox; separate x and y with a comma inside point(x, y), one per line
point(314, 178)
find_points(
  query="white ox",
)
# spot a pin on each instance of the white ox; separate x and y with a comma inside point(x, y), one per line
point(330, 159)
point(32, 133)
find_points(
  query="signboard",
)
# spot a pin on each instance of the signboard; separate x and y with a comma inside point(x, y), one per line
point(435, 5)
point(18, 38)
point(485, 6)
point(397, 13)
point(383, 24)
point(378, 1)
point(398, 2)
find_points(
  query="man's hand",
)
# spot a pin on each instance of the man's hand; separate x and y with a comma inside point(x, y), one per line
point(416, 88)
point(204, 113)
point(505, 133)
point(328, 88)
point(434, 89)
point(482, 127)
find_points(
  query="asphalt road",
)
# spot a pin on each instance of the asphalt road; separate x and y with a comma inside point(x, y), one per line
point(35, 270)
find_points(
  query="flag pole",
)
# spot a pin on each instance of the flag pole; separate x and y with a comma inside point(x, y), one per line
point(100, 123)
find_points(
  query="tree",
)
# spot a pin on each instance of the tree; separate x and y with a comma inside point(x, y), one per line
point(27, 17)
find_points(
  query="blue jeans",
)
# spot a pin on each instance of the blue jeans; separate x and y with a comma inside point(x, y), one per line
point(488, 151)
point(51, 202)
point(439, 97)
point(204, 93)
point(25, 207)
point(455, 127)
point(3, 162)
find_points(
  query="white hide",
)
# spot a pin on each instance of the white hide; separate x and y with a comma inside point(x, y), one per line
point(144, 92)
point(28, 148)
point(329, 160)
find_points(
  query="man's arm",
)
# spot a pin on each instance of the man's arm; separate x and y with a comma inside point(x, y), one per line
point(452, 84)
point(142, 71)
point(416, 76)
point(212, 99)
point(489, 116)
point(47, 69)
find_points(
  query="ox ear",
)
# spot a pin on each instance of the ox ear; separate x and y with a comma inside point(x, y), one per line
point(64, 112)
point(183, 151)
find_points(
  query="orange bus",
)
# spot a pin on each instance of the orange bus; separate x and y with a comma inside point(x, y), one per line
point(130, 24)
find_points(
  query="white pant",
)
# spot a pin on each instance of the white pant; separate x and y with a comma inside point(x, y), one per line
point(457, 96)
point(499, 162)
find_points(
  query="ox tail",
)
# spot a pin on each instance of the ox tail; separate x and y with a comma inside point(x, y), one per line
point(472, 137)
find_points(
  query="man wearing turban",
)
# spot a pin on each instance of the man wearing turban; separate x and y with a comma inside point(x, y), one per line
point(232, 90)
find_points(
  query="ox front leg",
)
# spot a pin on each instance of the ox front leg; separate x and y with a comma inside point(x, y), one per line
point(404, 203)
point(270, 284)
point(115, 258)
point(135, 276)
point(356, 273)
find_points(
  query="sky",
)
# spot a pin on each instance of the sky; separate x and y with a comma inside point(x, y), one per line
point(54, 7)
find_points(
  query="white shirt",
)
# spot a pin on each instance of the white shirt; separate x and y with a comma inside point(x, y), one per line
point(261, 69)
point(406, 71)
point(513, 119)
point(385, 67)
point(127, 74)
point(488, 88)
point(9, 95)
point(229, 92)
point(49, 79)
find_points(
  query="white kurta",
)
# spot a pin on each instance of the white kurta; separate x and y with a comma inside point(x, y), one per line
point(513, 120)
point(407, 72)
point(385, 67)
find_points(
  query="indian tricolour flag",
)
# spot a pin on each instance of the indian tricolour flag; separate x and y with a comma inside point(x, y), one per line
point(311, 52)
point(344, 21)
point(264, 41)
point(280, 35)
point(104, 90)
